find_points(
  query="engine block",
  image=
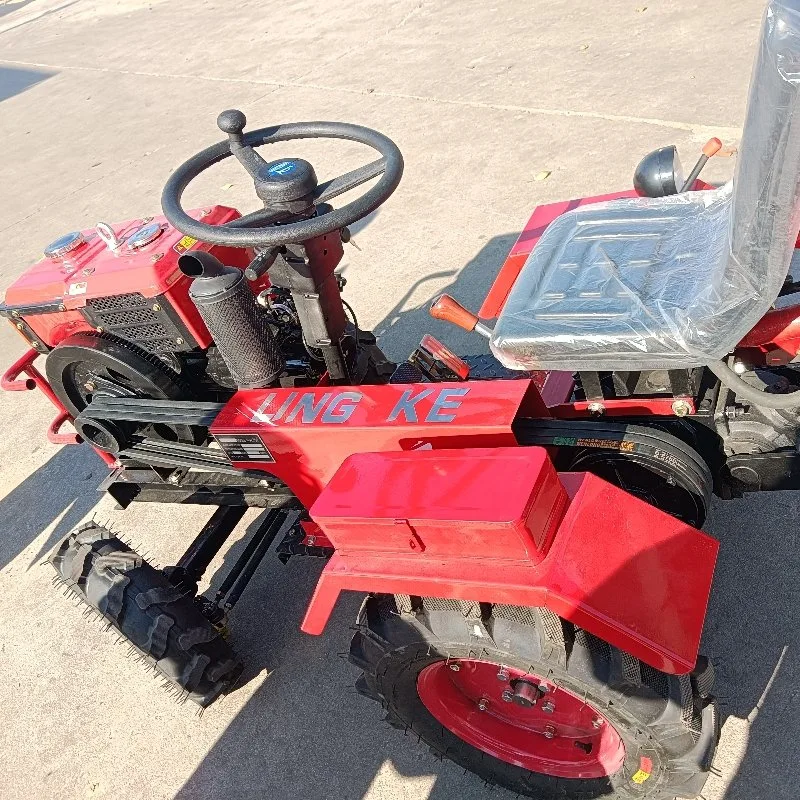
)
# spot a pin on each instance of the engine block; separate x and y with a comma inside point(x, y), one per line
point(123, 279)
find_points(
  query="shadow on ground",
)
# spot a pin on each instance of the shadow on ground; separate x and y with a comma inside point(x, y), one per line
point(752, 634)
point(10, 8)
point(15, 80)
point(62, 489)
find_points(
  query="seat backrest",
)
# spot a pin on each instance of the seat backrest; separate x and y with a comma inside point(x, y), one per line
point(765, 216)
point(677, 281)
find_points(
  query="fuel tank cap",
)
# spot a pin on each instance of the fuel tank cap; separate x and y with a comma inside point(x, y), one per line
point(65, 244)
point(144, 235)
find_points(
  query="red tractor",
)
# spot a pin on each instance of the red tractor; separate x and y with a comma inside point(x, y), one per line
point(526, 524)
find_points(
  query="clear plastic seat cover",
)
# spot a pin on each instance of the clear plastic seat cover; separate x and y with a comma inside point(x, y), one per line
point(657, 283)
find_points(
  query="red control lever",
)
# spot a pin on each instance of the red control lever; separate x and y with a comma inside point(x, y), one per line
point(449, 310)
point(712, 147)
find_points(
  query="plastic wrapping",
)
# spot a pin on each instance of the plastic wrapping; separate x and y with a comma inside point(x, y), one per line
point(656, 283)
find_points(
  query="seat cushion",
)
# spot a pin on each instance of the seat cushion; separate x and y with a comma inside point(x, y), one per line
point(644, 283)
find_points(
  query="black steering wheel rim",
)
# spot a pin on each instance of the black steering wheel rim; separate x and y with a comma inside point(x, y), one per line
point(390, 170)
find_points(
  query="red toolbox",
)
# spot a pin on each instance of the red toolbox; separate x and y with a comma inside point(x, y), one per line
point(425, 500)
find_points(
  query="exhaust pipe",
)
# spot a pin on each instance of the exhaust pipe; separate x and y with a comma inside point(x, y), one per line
point(236, 323)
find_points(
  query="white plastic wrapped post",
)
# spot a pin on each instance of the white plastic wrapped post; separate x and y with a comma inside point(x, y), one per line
point(657, 283)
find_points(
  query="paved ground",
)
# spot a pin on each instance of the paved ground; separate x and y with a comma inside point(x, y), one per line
point(98, 101)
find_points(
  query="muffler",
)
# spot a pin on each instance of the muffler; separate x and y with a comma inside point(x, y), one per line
point(239, 327)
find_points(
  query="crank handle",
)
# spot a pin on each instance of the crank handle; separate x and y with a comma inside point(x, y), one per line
point(449, 310)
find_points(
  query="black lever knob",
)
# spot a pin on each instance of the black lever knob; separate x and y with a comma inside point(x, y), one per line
point(232, 122)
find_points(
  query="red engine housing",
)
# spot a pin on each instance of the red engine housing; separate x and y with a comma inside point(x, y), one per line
point(94, 287)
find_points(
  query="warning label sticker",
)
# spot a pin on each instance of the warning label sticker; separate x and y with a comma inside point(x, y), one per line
point(184, 244)
point(606, 444)
point(644, 772)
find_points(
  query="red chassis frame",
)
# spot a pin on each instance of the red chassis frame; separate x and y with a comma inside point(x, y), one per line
point(601, 546)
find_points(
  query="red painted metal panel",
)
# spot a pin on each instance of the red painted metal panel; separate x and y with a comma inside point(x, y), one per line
point(775, 339)
point(93, 271)
point(310, 432)
point(623, 407)
point(618, 567)
point(631, 574)
point(444, 501)
point(54, 328)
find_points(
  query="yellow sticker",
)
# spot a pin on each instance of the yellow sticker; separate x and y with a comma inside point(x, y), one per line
point(640, 777)
point(184, 244)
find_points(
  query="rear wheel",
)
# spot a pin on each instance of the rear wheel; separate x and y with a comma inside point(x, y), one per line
point(533, 704)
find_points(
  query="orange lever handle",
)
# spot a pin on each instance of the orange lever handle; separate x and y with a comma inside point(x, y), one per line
point(449, 310)
point(712, 147)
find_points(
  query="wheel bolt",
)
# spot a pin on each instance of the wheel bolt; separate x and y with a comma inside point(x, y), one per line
point(89, 386)
point(508, 695)
point(548, 707)
point(502, 674)
point(483, 704)
point(455, 667)
point(549, 732)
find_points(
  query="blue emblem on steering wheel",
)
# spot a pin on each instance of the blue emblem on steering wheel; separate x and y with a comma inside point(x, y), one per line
point(282, 168)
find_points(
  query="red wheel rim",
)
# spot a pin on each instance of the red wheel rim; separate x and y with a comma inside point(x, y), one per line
point(485, 705)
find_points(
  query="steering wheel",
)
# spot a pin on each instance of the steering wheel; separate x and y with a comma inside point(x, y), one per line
point(287, 187)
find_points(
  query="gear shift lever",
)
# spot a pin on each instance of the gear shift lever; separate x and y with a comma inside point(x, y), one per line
point(449, 310)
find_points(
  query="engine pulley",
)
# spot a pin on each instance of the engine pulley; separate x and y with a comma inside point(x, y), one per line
point(87, 365)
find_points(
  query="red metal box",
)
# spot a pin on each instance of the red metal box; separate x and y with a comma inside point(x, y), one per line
point(445, 502)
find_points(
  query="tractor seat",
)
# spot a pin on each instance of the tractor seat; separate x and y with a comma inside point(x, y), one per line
point(671, 282)
point(644, 280)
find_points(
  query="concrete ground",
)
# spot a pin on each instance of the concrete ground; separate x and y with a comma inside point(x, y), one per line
point(98, 102)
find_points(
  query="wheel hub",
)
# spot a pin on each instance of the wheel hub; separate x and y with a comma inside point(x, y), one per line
point(521, 718)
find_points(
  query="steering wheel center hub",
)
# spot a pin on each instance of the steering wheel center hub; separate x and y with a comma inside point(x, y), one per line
point(287, 184)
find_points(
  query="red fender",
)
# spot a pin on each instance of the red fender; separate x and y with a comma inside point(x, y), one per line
point(499, 525)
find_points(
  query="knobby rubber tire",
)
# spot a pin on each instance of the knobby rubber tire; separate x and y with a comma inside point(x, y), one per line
point(161, 622)
point(670, 720)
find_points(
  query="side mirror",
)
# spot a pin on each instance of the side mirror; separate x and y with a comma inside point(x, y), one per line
point(659, 173)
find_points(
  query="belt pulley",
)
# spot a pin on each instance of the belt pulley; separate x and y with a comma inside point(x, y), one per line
point(88, 365)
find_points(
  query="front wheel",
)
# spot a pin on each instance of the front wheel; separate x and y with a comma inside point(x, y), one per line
point(162, 622)
point(531, 703)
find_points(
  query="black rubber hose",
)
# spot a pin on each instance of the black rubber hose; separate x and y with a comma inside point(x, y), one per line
point(730, 379)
